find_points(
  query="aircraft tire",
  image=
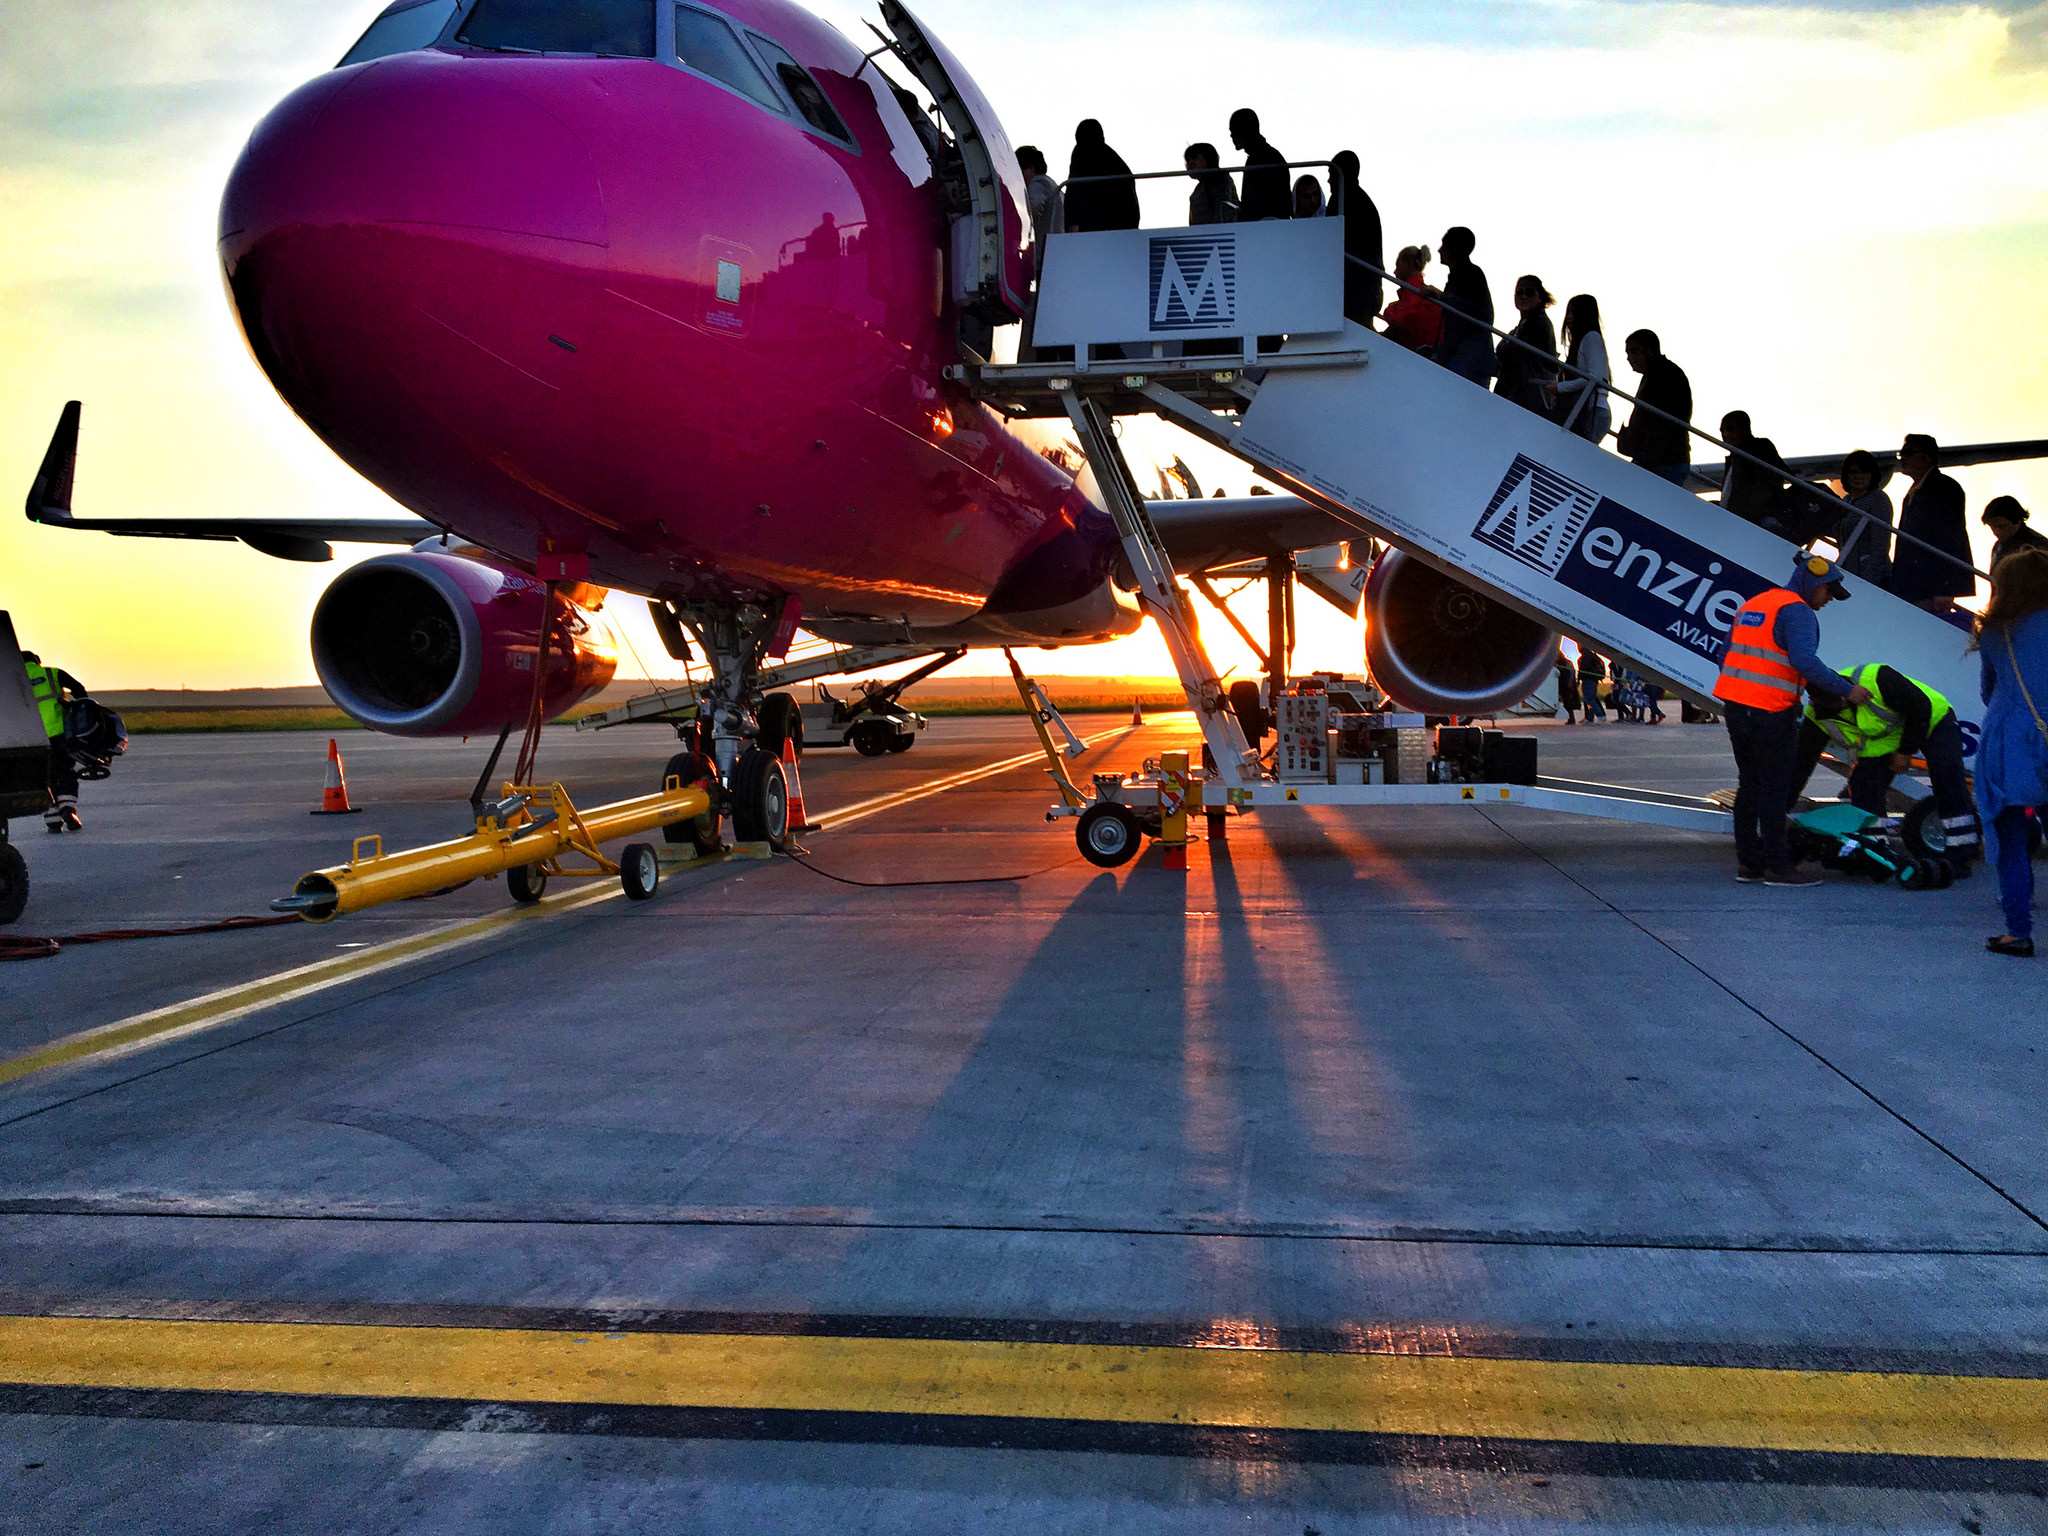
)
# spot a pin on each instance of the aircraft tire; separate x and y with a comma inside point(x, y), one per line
point(1109, 836)
point(1250, 708)
point(527, 883)
point(639, 871)
point(781, 720)
point(13, 883)
point(760, 799)
point(700, 832)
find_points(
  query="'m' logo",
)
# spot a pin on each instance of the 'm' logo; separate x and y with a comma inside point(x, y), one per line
point(1537, 515)
point(1194, 282)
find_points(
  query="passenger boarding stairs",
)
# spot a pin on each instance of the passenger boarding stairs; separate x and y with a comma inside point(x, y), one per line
point(1395, 447)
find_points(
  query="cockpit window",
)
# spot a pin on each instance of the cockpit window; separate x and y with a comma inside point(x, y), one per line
point(808, 95)
point(404, 31)
point(706, 44)
point(614, 29)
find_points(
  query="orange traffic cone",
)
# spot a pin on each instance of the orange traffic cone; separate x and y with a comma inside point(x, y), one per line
point(1137, 714)
point(799, 817)
point(334, 798)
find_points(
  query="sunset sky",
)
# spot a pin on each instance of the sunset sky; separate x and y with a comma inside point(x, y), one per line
point(1835, 214)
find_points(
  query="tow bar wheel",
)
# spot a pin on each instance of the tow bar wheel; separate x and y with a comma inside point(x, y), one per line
point(639, 871)
point(1109, 835)
point(527, 882)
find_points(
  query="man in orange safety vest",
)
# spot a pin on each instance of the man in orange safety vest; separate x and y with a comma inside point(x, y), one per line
point(1774, 647)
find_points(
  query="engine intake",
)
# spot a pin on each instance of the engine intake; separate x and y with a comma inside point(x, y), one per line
point(1440, 648)
point(425, 644)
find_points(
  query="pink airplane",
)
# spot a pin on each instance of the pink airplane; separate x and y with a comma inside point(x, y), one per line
point(660, 297)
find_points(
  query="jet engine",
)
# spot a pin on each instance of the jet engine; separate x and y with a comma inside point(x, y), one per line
point(423, 644)
point(1440, 648)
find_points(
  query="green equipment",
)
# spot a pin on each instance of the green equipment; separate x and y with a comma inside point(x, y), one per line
point(1850, 841)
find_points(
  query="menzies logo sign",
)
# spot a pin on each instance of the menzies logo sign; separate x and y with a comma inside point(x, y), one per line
point(1593, 545)
point(1194, 282)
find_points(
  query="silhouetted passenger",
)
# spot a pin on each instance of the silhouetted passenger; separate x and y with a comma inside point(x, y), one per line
point(1214, 200)
point(1414, 319)
point(1753, 492)
point(1266, 193)
point(1654, 441)
point(1467, 346)
point(1865, 541)
point(2007, 520)
point(1048, 209)
point(1308, 198)
point(1592, 670)
point(1363, 241)
point(1585, 350)
point(1568, 698)
point(1525, 366)
point(1932, 512)
point(1098, 204)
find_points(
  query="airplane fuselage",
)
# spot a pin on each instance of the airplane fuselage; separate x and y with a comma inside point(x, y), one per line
point(615, 308)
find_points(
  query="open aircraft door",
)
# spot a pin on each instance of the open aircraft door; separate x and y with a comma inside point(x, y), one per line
point(990, 251)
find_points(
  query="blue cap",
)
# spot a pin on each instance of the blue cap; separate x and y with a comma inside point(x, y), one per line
point(1812, 572)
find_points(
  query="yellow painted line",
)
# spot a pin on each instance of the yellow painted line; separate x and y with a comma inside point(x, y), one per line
point(231, 1003)
point(1862, 1413)
point(862, 809)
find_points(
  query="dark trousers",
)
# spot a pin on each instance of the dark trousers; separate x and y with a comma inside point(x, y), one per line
point(1870, 782)
point(63, 775)
point(2015, 873)
point(1766, 745)
point(1471, 358)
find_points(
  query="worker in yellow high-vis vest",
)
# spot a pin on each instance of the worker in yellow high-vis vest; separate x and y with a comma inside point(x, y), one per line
point(1902, 719)
point(52, 686)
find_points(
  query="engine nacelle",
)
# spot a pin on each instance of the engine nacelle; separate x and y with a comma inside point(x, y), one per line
point(425, 644)
point(1440, 648)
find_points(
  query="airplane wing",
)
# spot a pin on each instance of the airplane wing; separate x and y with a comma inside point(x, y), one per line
point(310, 539)
point(1825, 466)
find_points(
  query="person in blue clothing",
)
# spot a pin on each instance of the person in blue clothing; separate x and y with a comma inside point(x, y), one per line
point(2012, 758)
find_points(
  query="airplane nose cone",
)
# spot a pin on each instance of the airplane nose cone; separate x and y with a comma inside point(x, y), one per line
point(381, 222)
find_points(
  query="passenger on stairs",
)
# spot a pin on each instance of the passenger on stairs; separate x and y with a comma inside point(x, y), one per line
point(1467, 347)
point(1308, 198)
point(1363, 291)
point(1866, 541)
point(1753, 492)
point(1653, 442)
point(1099, 204)
point(1415, 320)
point(1266, 194)
point(1214, 200)
point(1525, 366)
point(2007, 520)
point(1586, 351)
point(1932, 512)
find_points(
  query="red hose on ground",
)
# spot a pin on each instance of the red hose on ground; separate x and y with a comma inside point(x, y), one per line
point(13, 947)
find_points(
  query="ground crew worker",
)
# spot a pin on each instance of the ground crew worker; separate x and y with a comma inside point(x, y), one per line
point(1773, 646)
point(1903, 719)
point(50, 685)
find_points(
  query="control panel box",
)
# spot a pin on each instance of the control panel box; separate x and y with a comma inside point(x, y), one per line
point(1303, 754)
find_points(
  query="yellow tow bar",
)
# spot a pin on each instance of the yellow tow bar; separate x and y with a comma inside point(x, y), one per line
point(533, 833)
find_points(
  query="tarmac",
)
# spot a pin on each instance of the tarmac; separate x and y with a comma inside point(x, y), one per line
point(1464, 1168)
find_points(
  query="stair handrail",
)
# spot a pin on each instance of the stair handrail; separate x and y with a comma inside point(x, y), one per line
point(1821, 492)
